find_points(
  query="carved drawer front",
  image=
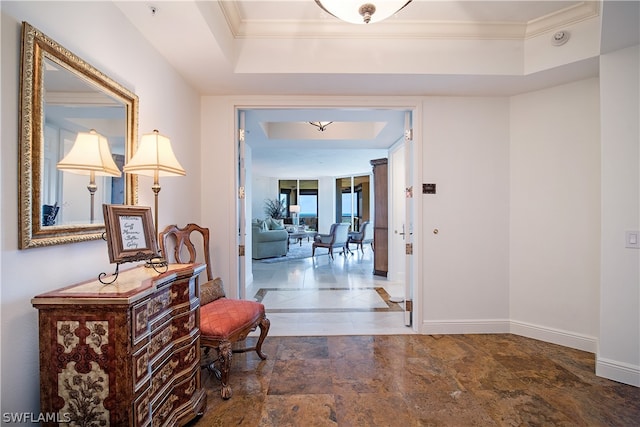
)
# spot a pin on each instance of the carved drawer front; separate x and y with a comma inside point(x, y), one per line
point(184, 324)
point(176, 365)
point(161, 301)
point(141, 374)
point(160, 339)
point(140, 315)
point(183, 395)
point(182, 290)
point(142, 410)
point(148, 314)
point(164, 338)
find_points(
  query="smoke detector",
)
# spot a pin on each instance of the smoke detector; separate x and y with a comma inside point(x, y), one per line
point(559, 38)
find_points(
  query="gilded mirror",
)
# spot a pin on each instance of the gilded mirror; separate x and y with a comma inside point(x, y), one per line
point(60, 96)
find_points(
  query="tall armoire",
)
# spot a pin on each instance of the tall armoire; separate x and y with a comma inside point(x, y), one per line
point(381, 217)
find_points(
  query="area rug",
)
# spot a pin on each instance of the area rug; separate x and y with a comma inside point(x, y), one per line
point(324, 299)
point(296, 251)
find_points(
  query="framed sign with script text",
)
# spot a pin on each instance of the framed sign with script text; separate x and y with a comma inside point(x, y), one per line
point(130, 235)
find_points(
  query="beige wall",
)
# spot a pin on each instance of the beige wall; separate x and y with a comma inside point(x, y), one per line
point(619, 346)
point(555, 213)
point(113, 46)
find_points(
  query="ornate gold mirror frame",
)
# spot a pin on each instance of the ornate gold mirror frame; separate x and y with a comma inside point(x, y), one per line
point(88, 96)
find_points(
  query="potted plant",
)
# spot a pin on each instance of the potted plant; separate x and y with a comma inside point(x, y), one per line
point(275, 208)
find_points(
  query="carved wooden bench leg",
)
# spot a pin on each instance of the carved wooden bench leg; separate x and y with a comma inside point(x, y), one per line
point(225, 352)
point(265, 324)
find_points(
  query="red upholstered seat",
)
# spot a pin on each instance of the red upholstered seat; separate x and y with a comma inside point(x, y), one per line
point(225, 317)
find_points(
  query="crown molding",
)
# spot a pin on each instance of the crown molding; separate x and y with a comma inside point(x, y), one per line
point(568, 16)
point(404, 29)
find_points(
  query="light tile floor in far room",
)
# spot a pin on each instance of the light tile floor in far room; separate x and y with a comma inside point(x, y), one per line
point(321, 296)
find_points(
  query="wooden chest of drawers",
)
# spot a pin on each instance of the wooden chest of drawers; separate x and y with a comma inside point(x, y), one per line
point(125, 354)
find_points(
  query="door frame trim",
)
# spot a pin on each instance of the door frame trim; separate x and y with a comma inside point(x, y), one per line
point(413, 104)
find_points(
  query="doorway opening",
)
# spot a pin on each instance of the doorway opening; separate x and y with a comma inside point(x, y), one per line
point(296, 177)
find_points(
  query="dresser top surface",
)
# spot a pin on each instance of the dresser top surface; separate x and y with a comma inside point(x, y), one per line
point(131, 285)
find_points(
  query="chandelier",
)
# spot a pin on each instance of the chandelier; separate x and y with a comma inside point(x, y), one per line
point(361, 11)
point(320, 125)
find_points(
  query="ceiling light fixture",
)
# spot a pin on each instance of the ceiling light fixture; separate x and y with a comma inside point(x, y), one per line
point(361, 11)
point(320, 125)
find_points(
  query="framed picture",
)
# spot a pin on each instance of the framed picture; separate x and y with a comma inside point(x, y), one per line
point(129, 232)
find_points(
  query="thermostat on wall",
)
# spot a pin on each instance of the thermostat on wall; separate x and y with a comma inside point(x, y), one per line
point(428, 189)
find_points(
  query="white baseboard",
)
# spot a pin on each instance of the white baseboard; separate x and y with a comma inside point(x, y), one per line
point(484, 326)
point(505, 326)
point(555, 336)
point(618, 371)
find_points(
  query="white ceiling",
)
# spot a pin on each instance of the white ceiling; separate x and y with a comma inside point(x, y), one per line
point(210, 44)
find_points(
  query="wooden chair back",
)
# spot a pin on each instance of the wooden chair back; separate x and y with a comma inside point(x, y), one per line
point(182, 239)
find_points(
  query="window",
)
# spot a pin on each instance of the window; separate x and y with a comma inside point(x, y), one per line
point(346, 205)
point(303, 193)
point(308, 204)
point(352, 201)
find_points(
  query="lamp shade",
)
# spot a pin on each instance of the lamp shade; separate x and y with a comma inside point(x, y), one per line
point(90, 153)
point(294, 209)
point(362, 11)
point(154, 155)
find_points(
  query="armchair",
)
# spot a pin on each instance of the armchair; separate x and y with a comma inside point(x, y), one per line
point(360, 237)
point(337, 238)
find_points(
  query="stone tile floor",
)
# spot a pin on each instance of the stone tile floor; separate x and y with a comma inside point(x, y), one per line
point(320, 296)
point(418, 380)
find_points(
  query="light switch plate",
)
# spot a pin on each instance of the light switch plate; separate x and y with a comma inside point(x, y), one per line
point(632, 239)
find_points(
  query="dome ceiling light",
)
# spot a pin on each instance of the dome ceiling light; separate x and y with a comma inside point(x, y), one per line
point(361, 11)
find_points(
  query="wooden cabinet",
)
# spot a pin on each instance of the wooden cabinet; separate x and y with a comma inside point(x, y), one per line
point(124, 354)
point(381, 217)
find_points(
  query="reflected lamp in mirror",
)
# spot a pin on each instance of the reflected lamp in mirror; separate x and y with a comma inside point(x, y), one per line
point(154, 158)
point(295, 211)
point(90, 155)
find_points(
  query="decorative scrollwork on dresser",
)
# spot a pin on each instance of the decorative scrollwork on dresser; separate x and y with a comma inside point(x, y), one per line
point(123, 355)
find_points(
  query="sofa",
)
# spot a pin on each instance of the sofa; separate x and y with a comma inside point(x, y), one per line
point(269, 238)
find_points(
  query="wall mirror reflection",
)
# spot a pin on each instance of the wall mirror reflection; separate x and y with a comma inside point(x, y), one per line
point(63, 98)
